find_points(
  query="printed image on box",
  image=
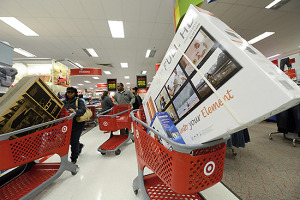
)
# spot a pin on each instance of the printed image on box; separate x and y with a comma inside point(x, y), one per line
point(163, 124)
point(213, 83)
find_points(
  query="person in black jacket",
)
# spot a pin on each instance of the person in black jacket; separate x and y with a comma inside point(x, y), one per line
point(77, 127)
point(138, 99)
point(106, 102)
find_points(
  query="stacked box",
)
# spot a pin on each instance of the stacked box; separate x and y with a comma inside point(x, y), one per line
point(213, 83)
point(28, 103)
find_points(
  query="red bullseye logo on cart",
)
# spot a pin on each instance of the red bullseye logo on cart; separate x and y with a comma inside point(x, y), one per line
point(209, 168)
point(105, 123)
point(64, 129)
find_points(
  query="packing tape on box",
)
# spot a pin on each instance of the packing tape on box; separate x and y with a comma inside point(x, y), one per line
point(234, 114)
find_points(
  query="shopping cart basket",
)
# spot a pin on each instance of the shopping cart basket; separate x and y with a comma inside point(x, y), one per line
point(116, 118)
point(180, 173)
point(25, 150)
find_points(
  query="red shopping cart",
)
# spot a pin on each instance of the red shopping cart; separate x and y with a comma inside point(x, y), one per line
point(115, 119)
point(23, 151)
point(178, 174)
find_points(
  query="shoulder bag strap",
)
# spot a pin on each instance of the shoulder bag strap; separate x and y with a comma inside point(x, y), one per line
point(76, 104)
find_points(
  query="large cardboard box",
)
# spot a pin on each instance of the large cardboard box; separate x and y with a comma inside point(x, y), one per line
point(234, 85)
point(28, 103)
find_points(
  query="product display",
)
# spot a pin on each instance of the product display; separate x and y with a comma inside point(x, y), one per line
point(213, 83)
point(28, 103)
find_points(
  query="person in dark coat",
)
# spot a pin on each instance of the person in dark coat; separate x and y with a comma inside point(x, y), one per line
point(138, 99)
point(77, 127)
point(106, 102)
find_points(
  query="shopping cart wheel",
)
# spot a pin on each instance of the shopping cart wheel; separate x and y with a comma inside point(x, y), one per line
point(270, 136)
point(103, 153)
point(76, 171)
point(294, 142)
point(132, 140)
point(118, 152)
point(136, 192)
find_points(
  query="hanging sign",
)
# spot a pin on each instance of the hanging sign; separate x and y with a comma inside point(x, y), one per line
point(141, 82)
point(111, 84)
point(101, 85)
point(86, 72)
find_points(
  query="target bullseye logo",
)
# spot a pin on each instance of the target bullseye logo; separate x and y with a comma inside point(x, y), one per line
point(209, 168)
point(64, 129)
point(105, 123)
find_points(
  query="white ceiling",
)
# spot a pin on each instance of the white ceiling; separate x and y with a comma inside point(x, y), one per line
point(65, 27)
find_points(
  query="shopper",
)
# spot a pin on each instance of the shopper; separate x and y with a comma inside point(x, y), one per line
point(123, 96)
point(138, 99)
point(106, 102)
point(70, 105)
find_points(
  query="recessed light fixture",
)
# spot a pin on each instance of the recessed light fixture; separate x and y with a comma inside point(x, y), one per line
point(87, 81)
point(23, 52)
point(116, 29)
point(144, 72)
point(124, 65)
point(19, 26)
point(95, 77)
point(79, 84)
point(91, 52)
point(127, 83)
point(148, 53)
point(272, 4)
point(107, 72)
point(126, 77)
point(80, 66)
point(260, 37)
point(91, 88)
point(273, 56)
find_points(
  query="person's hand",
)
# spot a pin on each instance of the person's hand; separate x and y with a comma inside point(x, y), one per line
point(71, 110)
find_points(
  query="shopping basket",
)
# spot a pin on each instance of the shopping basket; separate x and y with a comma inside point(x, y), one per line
point(25, 150)
point(112, 120)
point(180, 173)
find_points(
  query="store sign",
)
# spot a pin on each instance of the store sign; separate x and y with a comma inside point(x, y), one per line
point(101, 85)
point(141, 82)
point(142, 91)
point(111, 84)
point(86, 72)
point(291, 73)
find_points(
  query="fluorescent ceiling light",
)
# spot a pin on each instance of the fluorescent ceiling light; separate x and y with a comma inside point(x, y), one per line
point(124, 65)
point(23, 52)
point(107, 72)
point(91, 88)
point(80, 66)
point(148, 53)
point(75, 86)
point(127, 83)
point(273, 56)
point(144, 72)
point(79, 84)
point(126, 77)
point(91, 52)
point(272, 4)
point(260, 37)
point(87, 81)
point(95, 77)
point(19, 26)
point(116, 29)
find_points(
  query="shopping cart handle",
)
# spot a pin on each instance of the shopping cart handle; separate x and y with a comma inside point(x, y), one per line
point(183, 148)
point(114, 115)
point(5, 136)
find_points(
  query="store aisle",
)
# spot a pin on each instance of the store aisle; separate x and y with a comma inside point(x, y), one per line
point(100, 177)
